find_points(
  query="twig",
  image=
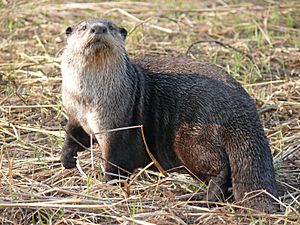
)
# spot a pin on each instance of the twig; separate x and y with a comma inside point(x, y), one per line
point(27, 106)
point(80, 169)
point(264, 33)
point(286, 154)
point(13, 126)
point(156, 164)
point(125, 13)
point(219, 43)
point(92, 151)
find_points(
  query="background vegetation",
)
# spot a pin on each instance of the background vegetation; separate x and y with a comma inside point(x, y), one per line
point(257, 42)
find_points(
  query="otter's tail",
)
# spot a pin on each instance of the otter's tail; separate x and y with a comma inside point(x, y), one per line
point(251, 169)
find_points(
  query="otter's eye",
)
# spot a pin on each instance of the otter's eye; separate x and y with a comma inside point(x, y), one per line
point(83, 27)
point(110, 27)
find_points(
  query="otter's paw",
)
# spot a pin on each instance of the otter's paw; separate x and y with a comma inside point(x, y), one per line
point(68, 160)
point(262, 203)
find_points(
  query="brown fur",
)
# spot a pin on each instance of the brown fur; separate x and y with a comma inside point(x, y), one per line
point(194, 114)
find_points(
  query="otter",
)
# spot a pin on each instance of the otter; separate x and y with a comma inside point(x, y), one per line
point(193, 113)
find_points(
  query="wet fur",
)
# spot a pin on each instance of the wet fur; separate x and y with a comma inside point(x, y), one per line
point(194, 114)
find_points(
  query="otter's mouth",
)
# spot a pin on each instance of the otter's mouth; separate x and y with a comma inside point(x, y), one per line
point(96, 43)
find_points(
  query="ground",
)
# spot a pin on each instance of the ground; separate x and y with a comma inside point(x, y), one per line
point(257, 42)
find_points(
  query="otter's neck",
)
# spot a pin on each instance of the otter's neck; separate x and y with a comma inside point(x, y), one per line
point(103, 87)
point(96, 78)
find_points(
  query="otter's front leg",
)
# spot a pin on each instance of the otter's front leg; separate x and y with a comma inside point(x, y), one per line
point(124, 152)
point(70, 146)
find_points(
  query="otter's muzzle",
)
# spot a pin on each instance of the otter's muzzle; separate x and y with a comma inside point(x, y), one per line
point(99, 29)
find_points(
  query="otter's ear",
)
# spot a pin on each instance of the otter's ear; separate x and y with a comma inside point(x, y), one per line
point(69, 31)
point(123, 32)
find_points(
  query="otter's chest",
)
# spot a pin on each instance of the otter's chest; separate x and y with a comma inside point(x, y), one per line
point(76, 108)
point(91, 115)
point(96, 102)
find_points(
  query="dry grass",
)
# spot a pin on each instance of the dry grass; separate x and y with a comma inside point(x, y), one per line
point(35, 189)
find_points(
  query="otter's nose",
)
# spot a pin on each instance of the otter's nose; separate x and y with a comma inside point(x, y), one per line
point(99, 29)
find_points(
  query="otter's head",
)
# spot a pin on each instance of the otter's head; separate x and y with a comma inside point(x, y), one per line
point(95, 39)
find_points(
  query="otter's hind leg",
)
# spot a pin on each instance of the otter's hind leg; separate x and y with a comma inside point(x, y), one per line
point(70, 146)
point(218, 186)
point(203, 155)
